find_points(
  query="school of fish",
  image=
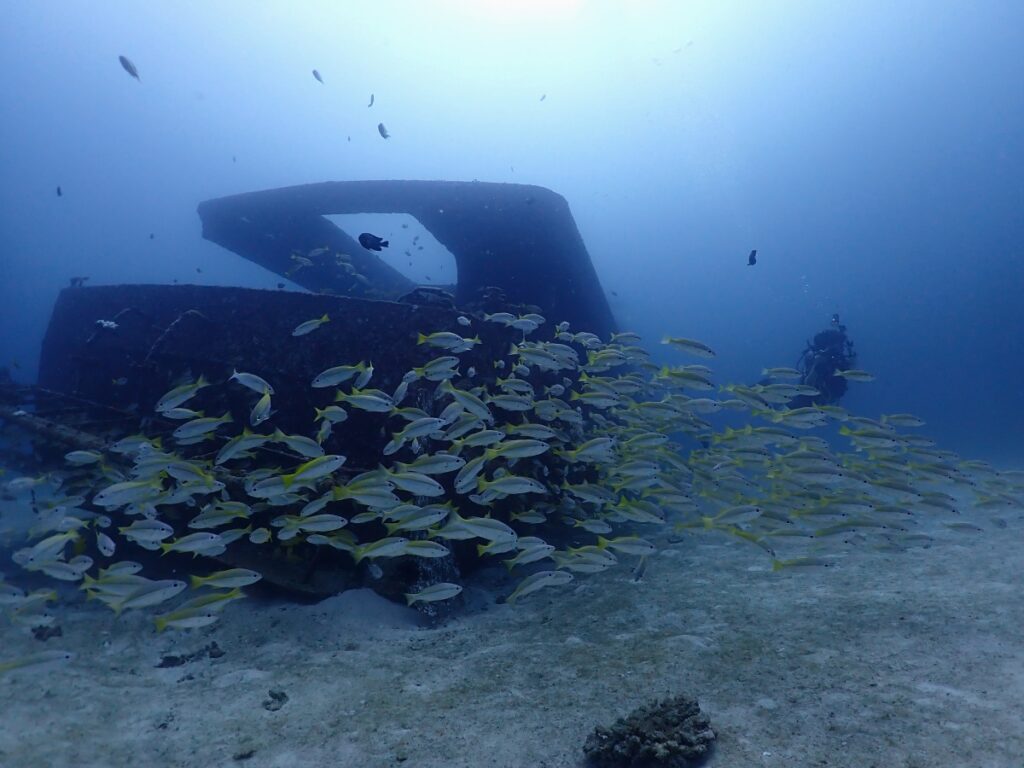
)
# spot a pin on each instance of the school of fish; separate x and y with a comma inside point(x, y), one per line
point(571, 455)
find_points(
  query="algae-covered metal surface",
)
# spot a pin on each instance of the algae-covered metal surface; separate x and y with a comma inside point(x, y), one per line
point(166, 332)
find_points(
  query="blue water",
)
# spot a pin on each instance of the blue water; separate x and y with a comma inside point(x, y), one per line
point(871, 152)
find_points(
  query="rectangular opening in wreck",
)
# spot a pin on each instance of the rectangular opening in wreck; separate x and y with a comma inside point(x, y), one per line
point(412, 250)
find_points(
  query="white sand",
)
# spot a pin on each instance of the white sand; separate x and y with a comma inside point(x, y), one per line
point(913, 659)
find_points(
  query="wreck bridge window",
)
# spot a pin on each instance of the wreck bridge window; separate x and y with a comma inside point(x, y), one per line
point(412, 250)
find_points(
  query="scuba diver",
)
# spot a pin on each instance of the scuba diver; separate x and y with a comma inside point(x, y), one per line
point(828, 352)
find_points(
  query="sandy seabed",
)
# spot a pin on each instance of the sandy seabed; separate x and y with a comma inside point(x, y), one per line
point(887, 660)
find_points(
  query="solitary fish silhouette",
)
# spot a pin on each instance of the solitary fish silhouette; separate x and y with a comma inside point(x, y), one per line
point(372, 242)
point(129, 67)
point(752, 258)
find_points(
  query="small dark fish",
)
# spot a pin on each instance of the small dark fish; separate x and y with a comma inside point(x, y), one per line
point(317, 76)
point(371, 102)
point(543, 97)
point(640, 570)
point(60, 192)
point(78, 282)
point(752, 258)
point(349, 138)
point(199, 270)
point(372, 242)
point(615, 294)
point(281, 286)
point(383, 131)
point(129, 67)
point(152, 236)
point(233, 159)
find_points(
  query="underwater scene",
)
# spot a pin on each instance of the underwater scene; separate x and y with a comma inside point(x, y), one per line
point(512, 383)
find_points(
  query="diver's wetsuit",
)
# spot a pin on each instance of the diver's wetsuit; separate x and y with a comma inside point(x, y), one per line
point(830, 351)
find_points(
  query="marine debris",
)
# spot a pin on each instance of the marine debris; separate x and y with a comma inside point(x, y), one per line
point(277, 700)
point(210, 650)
